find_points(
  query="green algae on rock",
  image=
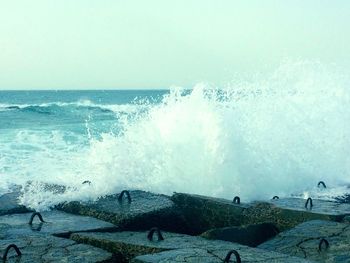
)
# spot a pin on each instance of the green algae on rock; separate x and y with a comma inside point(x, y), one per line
point(143, 212)
point(322, 241)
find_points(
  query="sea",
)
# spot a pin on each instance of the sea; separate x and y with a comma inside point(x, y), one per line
point(279, 136)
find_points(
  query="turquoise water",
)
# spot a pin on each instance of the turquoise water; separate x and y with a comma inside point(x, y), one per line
point(40, 131)
point(276, 136)
point(68, 110)
point(28, 119)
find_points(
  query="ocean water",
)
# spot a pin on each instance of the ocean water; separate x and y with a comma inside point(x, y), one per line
point(273, 135)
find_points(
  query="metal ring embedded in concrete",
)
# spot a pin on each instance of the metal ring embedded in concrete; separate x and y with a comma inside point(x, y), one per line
point(323, 241)
point(124, 192)
point(87, 182)
point(236, 200)
point(32, 217)
point(321, 183)
point(4, 257)
point(275, 197)
point(229, 254)
point(309, 201)
point(151, 233)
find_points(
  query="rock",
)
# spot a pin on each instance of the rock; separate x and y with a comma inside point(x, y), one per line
point(9, 203)
point(179, 255)
point(131, 244)
point(289, 212)
point(343, 199)
point(251, 235)
point(203, 213)
point(146, 210)
point(304, 241)
point(215, 256)
point(346, 219)
point(56, 222)
point(53, 249)
point(322, 207)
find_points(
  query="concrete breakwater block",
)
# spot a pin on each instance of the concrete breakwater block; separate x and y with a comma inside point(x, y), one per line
point(203, 213)
point(51, 249)
point(128, 245)
point(318, 240)
point(55, 222)
point(138, 211)
point(334, 210)
point(215, 256)
point(9, 203)
point(251, 235)
point(288, 212)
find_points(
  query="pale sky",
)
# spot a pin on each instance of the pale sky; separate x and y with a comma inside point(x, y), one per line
point(92, 44)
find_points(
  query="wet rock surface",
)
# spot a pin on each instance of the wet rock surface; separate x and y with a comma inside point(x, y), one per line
point(143, 212)
point(218, 255)
point(304, 241)
point(56, 223)
point(36, 243)
point(344, 198)
point(203, 213)
point(251, 235)
point(289, 212)
point(9, 203)
point(131, 244)
point(322, 207)
point(180, 255)
point(107, 224)
point(52, 249)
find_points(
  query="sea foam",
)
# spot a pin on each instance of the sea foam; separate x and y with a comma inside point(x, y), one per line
point(278, 135)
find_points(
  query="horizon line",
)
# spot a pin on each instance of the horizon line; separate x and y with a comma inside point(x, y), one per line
point(97, 89)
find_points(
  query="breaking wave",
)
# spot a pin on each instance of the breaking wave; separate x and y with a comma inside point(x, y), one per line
point(61, 107)
point(276, 136)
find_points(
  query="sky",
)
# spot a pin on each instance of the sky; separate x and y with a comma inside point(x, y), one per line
point(136, 44)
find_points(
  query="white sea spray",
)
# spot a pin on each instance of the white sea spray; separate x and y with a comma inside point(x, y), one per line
point(278, 135)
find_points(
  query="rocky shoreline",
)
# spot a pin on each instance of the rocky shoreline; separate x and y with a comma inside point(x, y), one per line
point(138, 226)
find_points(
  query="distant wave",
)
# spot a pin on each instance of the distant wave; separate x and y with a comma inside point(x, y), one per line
point(59, 107)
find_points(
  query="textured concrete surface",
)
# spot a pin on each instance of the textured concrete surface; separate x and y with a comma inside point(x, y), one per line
point(251, 235)
point(203, 213)
point(56, 222)
point(303, 241)
point(9, 203)
point(332, 209)
point(131, 244)
point(248, 255)
point(289, 212)
point(52, 249)
point(143, 212)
